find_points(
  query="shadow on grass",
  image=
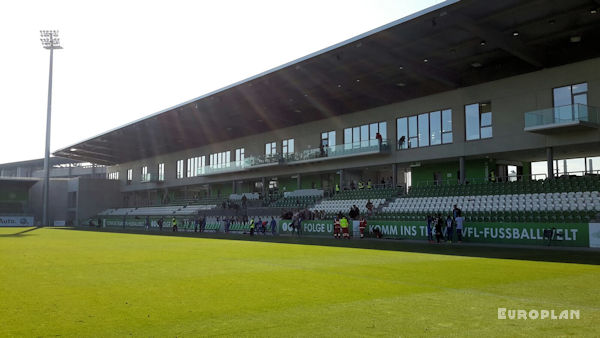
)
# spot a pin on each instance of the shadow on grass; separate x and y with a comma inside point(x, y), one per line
point(542, 253)
point(20, 233)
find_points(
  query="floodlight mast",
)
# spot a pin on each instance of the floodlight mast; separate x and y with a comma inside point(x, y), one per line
point(50, 40)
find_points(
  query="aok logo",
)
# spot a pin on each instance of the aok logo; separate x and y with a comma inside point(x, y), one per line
point(23, 221)
point(7, 221)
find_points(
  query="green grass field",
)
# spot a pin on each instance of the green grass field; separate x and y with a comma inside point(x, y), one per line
point(57, 282)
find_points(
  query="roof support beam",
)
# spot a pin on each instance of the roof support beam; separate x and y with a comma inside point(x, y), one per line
point(91, 159)
point(512, 46)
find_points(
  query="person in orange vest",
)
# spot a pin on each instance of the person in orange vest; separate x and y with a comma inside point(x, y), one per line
point(344, 226)
point(336, 227)
point(362, 225)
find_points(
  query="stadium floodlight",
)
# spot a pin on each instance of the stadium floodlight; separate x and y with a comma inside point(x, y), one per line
point(50, 40)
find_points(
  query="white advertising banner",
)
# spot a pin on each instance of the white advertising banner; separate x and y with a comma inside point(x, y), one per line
point(16, 221)
point(594, 235)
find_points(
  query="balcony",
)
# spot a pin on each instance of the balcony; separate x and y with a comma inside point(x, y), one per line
point(150, 178)
point(367, 147)
point(560, 119)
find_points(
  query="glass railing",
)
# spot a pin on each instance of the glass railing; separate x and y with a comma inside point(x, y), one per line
point(561, 115)
point(350, 149)
point(247, 163)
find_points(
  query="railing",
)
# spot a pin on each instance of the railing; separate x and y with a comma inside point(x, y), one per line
point(561, 115)
point(509, 178)
point(349, 149)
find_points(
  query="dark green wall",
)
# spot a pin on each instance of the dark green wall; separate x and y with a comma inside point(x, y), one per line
point(475, 171)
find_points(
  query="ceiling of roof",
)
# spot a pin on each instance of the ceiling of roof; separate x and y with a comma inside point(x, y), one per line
point(456, 45)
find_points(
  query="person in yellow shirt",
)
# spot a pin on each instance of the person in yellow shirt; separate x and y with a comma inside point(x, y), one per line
point(344, 226)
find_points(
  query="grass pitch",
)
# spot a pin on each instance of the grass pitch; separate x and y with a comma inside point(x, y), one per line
point(82, 283)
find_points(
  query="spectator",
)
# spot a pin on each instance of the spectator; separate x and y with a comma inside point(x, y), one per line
point(99, 222)
point(459, 226)
point(196, 224)
point(437, 222)
point(273, 225)
point(369, 207)
point(174, 224)
point(369, 184)
point(252, 227)
point(160, 223)
point(449, 234)
point(361, 185)
point(336, 227)
point(429, 228)
point(344, 226)
point(455, 212)
point(379, 139)
point(203, 224)
point(362, 226)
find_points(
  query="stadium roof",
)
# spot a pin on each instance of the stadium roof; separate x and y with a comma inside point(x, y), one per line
point(451, 45)
point(37, 163)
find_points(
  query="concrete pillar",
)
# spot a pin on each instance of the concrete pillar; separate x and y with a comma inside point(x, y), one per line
point(394, 175)
point(461, 169)
point(564, 167)
point(298, 182)
point(550, 162)
point(341, 179)
point(263, 186)
point(590, 167)
point(233, 187)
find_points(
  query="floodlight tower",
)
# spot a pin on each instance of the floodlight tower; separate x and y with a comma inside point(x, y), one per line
point(50, 41)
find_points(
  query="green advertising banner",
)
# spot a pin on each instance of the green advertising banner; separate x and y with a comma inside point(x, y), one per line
point(573, 234)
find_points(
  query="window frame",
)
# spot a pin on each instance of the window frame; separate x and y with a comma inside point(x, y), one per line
point(412, 136)
point(479, 120)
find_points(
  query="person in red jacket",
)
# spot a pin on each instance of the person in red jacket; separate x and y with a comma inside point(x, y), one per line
point(362, 225)
point(336, 227)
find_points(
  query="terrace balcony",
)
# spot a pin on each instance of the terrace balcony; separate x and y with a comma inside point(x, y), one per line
point(562, 119)
point(363, 148)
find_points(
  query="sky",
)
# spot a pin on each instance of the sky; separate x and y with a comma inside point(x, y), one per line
point(124, 60)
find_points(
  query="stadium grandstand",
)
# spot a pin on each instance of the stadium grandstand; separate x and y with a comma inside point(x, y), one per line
point(489, 106)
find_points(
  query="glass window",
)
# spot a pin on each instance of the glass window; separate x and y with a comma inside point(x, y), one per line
point(347, 138)
point(287, 146)
point(239, 156)
point(161, 171)
point(373, 130)
point(566, 96)
point(331, 138)
point(144, 173)
point(435, 127)
point(129, 175)
point(562, 96)
point(383, 130)
point(472, 121)
point(270, 149)
point(478, 121)
point(402, 127)
point(356, 137)
point(423, 130)
point(179, 169)
point(412, 132)
point(364, 135)
point(447, 126)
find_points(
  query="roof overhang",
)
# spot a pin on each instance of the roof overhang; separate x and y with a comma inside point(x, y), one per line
point(451, 45)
